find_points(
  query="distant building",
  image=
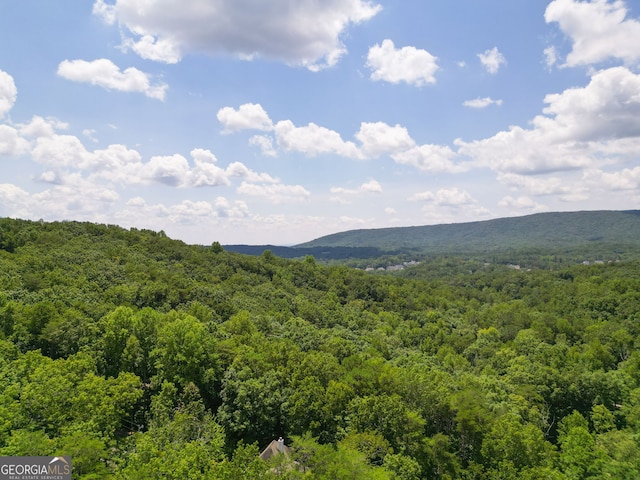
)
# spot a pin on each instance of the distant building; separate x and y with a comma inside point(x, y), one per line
point(395, 268)
point(274, 448)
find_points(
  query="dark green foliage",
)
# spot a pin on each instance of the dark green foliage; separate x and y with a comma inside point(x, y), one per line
point(144, 357)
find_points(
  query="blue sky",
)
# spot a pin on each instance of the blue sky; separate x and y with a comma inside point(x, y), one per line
point(278, 122)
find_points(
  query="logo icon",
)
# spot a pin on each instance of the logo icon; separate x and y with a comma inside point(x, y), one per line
point(35, 468)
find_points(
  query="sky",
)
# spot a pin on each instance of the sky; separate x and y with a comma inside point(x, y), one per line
point(280, 121)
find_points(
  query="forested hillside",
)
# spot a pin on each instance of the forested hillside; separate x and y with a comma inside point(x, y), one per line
point(146, 358)
point(547, 232)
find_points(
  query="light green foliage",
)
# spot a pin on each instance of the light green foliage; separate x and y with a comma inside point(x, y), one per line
point(579, 456)
point(144, 357)
point(521, 445)
point(401, 427)
point(56, 394)
point(326, 461)
point(245, 463)
point(182, 443)
point(185, 352)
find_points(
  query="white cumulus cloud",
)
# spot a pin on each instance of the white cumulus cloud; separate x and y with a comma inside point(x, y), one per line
point(626, 179)
point(239, 170)
point(608, 107)
point(76, 198)
point(481, 102)
point(11, 143)
point(275, 193)
point(452, 197)
point(61, 151)
point(42, 127)
point(205, 171)
point(249, 116)
point(8, 93)
point(551, 56)
point(378, 139)
point(534, 184)
point(313, 140)
point(580, 128)
point(407, 64)
point(106, 74)
point(598, 29)
point(492, 60)
point(265, 143)
point(521, 204)
point(304, 32)
point(372, 186)
point(171, 170)
point(429, 158)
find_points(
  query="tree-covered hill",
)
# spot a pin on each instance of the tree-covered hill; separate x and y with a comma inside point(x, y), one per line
point(319, 253)
point(146, 358)
point(544, 231)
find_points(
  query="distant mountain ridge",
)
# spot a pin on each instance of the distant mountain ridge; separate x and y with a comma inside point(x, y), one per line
point(538, 231)
point(606, 232)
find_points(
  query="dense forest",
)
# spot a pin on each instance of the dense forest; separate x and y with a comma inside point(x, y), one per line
point(146, 358)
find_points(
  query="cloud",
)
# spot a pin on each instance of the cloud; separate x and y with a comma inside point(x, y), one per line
point(206, 173)
point(378, 139)
point(11, 143)
point(452, 197)
point(627, 179)
point(447, 205)
point(8, 93)
point(14, 201)
point(580, 127)
point(172, 170)
point(119, 164)
point(313, 140)
point(521, 204)
point(535, 185)
point(239, 170)
point(429, 158)
point(265, 143)
point(407, 64)
point(187, 212)
point(104, 10)
point(250, 116)
point(75, 198)
point(61, 151)
point(609, 107)
point(187, 209)
point(352, 222)
point(226, 209)
point(157, 49)
point(175, 171)
point(90, 134)
point(481, 102)
point(372, 186)
point(492, 59)
point(598, 30)
point(106, 74)
point(375, 140)
point(305, 32)
point(275, 193)
point(551, 56)
point(41, 127)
